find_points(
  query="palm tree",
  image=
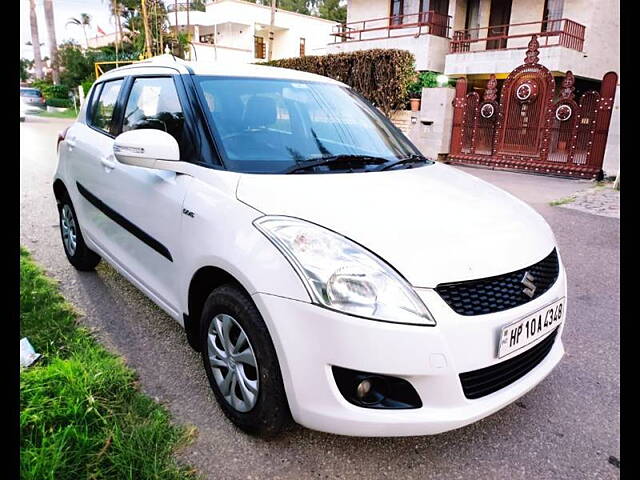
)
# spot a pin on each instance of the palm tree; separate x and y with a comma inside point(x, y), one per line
point(176, 10)
point(117, 7)
point(84, 21)
point(35, 39)
point(53, 44)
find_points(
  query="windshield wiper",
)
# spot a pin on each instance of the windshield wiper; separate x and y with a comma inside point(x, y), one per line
point(344, 160)
point(410, 160)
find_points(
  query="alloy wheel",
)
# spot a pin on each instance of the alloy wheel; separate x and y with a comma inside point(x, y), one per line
point(233, 362)
point(69, 232)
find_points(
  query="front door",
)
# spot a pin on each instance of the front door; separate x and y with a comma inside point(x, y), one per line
point(148, 246)
point(499, 19)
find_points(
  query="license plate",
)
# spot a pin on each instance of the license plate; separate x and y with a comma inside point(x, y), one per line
point(530, 328)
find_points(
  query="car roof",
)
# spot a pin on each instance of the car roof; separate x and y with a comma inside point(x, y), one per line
point(223, 69)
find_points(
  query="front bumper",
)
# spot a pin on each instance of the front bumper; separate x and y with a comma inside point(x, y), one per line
point(310, 339)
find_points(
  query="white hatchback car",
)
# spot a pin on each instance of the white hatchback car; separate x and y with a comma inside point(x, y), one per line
point(325, 270)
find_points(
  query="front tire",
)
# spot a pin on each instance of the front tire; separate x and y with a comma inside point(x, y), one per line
point(241, 363)
point(78, 254)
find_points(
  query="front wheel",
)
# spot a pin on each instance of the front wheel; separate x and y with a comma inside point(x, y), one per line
point(241, 363)
point(78, 254)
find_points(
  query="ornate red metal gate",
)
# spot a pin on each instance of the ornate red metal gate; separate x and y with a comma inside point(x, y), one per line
point(533, 128)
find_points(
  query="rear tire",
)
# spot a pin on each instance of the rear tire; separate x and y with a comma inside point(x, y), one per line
point(228, 360)
point(78, 254)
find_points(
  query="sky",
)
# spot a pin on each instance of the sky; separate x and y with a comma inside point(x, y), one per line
point(63, 10)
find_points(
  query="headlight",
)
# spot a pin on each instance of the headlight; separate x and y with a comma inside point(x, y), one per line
point(341, 275)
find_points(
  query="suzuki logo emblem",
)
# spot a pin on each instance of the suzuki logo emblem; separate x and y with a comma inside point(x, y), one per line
point(527, 281)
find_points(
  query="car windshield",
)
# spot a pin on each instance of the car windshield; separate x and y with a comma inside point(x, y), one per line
point(272, 125)
point(29, 92)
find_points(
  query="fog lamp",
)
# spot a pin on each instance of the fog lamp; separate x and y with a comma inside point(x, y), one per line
point(363, 389)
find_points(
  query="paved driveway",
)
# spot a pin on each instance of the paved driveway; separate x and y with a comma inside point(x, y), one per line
point(567, 427)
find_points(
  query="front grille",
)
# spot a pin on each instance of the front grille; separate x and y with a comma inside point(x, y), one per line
point(495, 294)
point(479, 383)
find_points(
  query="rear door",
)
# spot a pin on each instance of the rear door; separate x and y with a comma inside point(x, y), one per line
point(90, 155)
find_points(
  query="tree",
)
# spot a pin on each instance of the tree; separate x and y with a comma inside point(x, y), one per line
point(198, 5)
point(25, 65)
point(332, 10)
point(53, 44)
point(76, 65)
point(35, 39)
point(84, 21)
point(329, 9)
point(117, 8)
point(298, 6)
point(147, 33)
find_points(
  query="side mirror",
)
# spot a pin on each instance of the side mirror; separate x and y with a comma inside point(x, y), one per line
point(147, 148)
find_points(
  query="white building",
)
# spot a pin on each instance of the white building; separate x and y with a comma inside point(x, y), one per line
point(101, 40)
point(474, 39)
point(235, 30)
point(480, 37)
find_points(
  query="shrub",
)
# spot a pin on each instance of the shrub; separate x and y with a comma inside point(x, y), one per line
point(382, 76)
point(50, 91)
point(422, 80)
point(60, 102)
point(86, 86)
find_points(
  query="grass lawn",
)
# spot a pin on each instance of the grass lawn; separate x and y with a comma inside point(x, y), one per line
point(81, 415)
point(562, 201)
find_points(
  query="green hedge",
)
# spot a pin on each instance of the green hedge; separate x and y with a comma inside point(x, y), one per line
point(60, 102)
point(381, 75)
point(86, 86)
point(50, 91)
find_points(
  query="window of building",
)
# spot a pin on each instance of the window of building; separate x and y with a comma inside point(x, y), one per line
point(472, 20)
point(436, 14)
point(397, 10)
point(552, 14)
point(302, 47)
point(259, 47)
point(104, 105)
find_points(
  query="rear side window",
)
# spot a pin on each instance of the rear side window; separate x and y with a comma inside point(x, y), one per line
point(104, 105)
point(153, 103)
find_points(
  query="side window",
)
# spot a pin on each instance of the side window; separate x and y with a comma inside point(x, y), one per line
point(103, 106)
point(153, 103)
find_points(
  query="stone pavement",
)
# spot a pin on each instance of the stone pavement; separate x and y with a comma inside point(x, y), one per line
point(598, 200)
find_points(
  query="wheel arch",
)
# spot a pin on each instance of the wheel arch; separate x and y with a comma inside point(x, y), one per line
point(59, 190)
point(203, 281)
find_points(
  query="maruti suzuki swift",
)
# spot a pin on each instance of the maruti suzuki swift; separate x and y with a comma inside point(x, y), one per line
point(326, 271)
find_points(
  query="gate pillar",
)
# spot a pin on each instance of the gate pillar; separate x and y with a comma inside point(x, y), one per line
point(458, 116)
point(595, 156)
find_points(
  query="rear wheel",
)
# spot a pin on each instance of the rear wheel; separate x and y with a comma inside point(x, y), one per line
point(241, 363)
point(78, 254)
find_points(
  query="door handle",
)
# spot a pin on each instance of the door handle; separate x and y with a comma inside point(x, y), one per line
point(108, 163)
point(71, 143)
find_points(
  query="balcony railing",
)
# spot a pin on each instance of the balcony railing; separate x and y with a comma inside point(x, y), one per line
point(412, 24)
point(551, 33)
